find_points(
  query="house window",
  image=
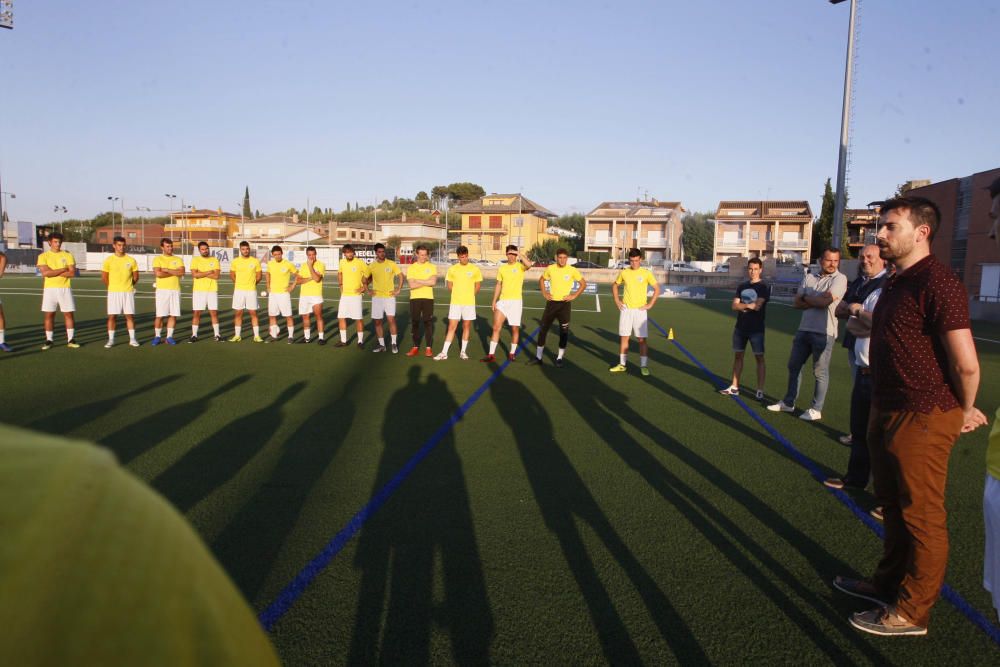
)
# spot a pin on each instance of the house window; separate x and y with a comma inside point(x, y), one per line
point(755, 236)
point(341, 234)
point(496, 242)
point(131, 235)
point(496, 222)
point(475, 222)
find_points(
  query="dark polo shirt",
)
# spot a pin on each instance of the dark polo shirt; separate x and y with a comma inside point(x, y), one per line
point(908, 360)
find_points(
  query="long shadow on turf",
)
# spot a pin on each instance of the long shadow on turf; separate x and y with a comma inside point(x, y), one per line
point(563, 499)
point(27, 339)
point(251, 543)
point(425, 528)
point(135, 439)
point(607, 410)
point(221, 455)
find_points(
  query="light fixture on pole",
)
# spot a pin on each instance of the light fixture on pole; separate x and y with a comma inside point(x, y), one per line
point(170, 209)
point(845, 121)
point(113, 199)
point(142, 224)
point(60, 209)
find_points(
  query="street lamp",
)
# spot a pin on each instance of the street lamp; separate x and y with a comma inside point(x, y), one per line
point(142, 225)
point(60, 209)
point(845, 119)
point(3, 237)
point(113, 199)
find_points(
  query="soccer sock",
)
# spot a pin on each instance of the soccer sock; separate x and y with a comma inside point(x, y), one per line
point(157, 331)
point(343, 335)
point(308, 332)
point(381, 341)
point(447, 344)
point(623, 358)
point(69, 334)
point(194, 329)
point(291, 331)
point(215, 328)
point(539, 351)
point(237, 331)
point(170, 332)
point(256, 331)
point(321, 335)
point(465, 344)
point(643, 361)
point(493, 347)
point(2, 340)
point(562, 353)
point(111, 336)
point(273, 330)
point(392, 337)
point(131, 335)
point(361, 337)
point(48, 336)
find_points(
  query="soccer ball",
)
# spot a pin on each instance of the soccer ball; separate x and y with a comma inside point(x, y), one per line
point(263, 292)
point(748, 295)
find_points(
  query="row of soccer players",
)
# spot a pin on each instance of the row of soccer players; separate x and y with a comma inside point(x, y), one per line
point(560, 284)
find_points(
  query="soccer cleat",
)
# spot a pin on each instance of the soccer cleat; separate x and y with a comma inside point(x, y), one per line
point(886, 623)
point(846, 440)
point(271, 339)
point(834, 483)
point(72, 344)
point(193, 339)
point(378, 348)
point(258, 339)
point(781, 407)
point(235, 339)
point(414, 351)
point(5, 347)
point(171, 341)
point(730, 391)
point(760, 395)
point(428, 352)
point(133, 343)
point(47, 345)
point(108, 345)
point(291, 341)
point(217, 339)
point(811, 415)
point(156, 341)
point(877, 513)
point(560, 362)
point(340, 343)
point(321, 341)
point(361, 345)
point(463, 356)
point(534, 361)
point(511, 357)
point(395, 349)
point(307, 340)
point(441, 357)
point(644, 371)
point(619, 368)
point(488, 359)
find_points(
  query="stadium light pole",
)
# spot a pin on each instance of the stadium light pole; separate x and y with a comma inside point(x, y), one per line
point(142, 225)
point(3, 231)
point(840, 200)
point(113, 199)
point(170, 209)
point(60, 209)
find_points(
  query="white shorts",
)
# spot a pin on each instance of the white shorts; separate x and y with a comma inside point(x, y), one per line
point(632, 322)
point(121, 303)
point(245, 299)
point(991, 519)
point(511, 310)
point(279, 304)
point(382, 306)
point(204, 301)
point(168, 302)
point(349, 307)
point(306, 304)
point(461, 312)
point(60, 298)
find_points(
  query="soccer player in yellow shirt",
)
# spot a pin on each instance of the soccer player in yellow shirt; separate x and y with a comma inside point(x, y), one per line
point(4, 347)
point(421, 276)
point(57, 267)
point(310, 278)
point(245, 272)
point(120, 273)
point(168, 269)
point(557, 288)
point(386, 282)
point(464, 281)
point(508, 301)
point(352, 278)
point(282, 277)
point(205, 269)
point(633, 308)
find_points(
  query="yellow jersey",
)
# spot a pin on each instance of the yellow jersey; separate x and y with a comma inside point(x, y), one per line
point(119, 270)
point(280, 275)
point(246, 270)
point(353, 273)
point(636, 281)
point(210, 263)
point(311, 288)
point(171, 262)
point(561, 279)
point(56, 260)
point(422, 271)
point(511, 278)
point(384, 277)
point(463, 279)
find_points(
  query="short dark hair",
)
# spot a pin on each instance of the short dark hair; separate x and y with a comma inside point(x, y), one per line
point(55, 235)
point(346, 247)
point(379, 246)
point(830, 249)
point(117, 239)
point(312, 247)
point(165, 241)
point(756, 260)
point(276, 248)
point(421, 247)
point(919, 210)
point(562, 251)
point(634, 252)
point(462, 250)
point(202, 243)
point(511, 247)
point(244, 243)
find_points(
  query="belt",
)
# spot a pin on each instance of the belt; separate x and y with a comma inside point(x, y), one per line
point(864, 370)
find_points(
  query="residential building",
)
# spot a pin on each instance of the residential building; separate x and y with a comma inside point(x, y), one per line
point(136, 234)
point(494, 221)
point(272, 229)
point(862, 225)
point(188, 228)
point(411, 231)
point(652, 226)
point(358, 231)
point(778, 229)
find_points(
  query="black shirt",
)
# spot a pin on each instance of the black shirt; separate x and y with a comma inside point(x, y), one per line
point(752, 321)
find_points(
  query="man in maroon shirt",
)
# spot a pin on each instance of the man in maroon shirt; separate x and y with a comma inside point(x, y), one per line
point(925, 376)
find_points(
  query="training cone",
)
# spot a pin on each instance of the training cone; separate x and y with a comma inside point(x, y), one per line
point(670, 334)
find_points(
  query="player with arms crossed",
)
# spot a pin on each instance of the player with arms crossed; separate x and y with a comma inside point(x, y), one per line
point(464, 281)
point(311, 294)
point(245, 272)
point(750, 303)
point(508, 301)
point(422, 276)
point(282, 277)
point(120, 273)
point(352, 278)
point(57, 266)
point(559, 295)
point(633, 309)
point(386, 282)
point(205, 269)
point(168, 269)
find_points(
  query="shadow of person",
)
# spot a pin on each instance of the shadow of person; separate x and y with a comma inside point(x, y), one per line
point(563, 499)
point(428, 521)
point(221, 455)
point(250, 544)
point(141, 436)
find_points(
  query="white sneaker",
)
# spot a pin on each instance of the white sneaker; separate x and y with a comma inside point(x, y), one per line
point(441, 357)
point(463, 356)
point(109, 345)
point(781, 407)
point(730, 391)
point(133, 343)
point(811, 415)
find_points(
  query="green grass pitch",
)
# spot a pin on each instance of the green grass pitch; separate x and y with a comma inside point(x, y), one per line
point(572, 516)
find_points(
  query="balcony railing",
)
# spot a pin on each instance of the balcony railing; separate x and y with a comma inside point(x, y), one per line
point(732, 243)
point(653, 242)
point(600, 241)
point(861, 239)
point(793, 244)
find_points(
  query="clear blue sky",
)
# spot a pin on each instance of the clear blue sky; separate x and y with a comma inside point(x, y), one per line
point(573, 102)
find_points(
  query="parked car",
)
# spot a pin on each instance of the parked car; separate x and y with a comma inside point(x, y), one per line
point(587, 265)
point(684, 267)
point(543, 262)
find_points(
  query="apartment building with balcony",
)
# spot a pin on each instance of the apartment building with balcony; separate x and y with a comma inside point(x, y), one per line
point(494, 221)
point(188, 228)
point(778, 229)
point(862, 226)
point(651, 226)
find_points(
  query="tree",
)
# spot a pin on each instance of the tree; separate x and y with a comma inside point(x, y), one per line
point(698, 236)
point(422, 196)
point(393, 242)
point(457, 192)
point(348, 209)
point(822, 236)
point(246, 203)
point(317, 211)
point(544, 251)
point(256, 213)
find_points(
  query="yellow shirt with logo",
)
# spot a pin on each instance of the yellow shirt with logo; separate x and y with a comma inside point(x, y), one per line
point(636, 281)
point(353, 273)
point(205, 264)
point(119, 270)
point(311, 288)
point(511, 277)
point(422, 271)
point(384, 277)
point(246, 270)
point(281, 274)
point(463, 279)
point(561, 279)
point(56, 260)
point(171, 262)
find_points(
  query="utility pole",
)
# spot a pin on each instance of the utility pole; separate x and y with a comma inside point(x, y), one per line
point(840, 200)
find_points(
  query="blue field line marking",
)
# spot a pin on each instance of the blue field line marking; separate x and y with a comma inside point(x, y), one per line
point(273, 613)
point(947, 592)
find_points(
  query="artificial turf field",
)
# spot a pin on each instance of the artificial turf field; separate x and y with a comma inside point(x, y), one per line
point(570, 516)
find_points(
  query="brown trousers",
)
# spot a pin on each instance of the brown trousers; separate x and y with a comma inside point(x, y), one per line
point(909, 458)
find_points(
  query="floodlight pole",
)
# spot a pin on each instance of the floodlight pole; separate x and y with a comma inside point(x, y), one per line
point(840, 200)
